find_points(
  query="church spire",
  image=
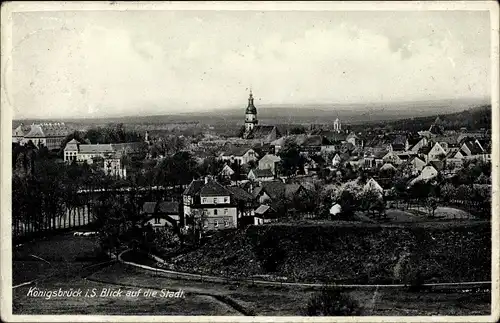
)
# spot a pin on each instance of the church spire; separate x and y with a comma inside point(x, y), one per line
point(251, 109)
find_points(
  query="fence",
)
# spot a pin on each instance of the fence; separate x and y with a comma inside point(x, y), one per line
point(74, 218)
point(255, 281)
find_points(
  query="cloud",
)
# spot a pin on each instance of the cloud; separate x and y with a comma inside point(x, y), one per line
point(85, 66)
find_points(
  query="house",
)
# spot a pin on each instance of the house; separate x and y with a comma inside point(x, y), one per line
point(455, 158)
point(428, 173)
point(353, 139)
point(471, 148)
point(388, 167)
point(210, 204)
point(314, 163)
point(19, 133)
point(315, 144)
point(271, 193)
point(240, 155)
point(416, 144)
point(400, 143)
point(161, 214)
point(113, 166)
point(226, 172)
point(260, 175)
point(374, 159)
point(437, 152)
point(245, 205)
point(269, 161)
point(50, 135)
point(372, 184)
point(336, 160)
point(393, 158)
point(265, 214)
point(413, 166)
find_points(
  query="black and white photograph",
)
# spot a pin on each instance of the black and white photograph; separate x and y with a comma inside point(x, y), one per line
point(226, 160)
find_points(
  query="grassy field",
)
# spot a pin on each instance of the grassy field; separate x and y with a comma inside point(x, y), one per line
point(60, 253)
point(200, 298)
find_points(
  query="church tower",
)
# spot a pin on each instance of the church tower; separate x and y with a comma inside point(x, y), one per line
point(250, 114)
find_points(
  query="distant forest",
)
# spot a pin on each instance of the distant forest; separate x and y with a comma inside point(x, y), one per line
point(473, 119)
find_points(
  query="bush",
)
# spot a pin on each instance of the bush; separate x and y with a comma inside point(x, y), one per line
point(331, 302)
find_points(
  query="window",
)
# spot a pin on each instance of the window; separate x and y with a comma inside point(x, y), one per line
point(225, 211)
point(215, 200)
point(216, 224)
point(215, 211)
point(226, 223)
point(157, 221)
point(226, 199)
point(204, 200)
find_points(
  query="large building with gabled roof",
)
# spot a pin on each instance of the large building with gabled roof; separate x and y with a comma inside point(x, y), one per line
point(49, 135)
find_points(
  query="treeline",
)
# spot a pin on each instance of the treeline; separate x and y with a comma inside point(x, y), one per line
point(111, 134)
point(473, 119)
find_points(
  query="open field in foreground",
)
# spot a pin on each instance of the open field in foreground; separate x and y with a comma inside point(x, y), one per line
point(217, 299)
point(67, 255)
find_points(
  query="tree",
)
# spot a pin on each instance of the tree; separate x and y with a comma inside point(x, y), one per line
point(431, 204)
point(331, 302)
point(297, 130)
point(292, 161)
point(349, 198)
point(372, 200)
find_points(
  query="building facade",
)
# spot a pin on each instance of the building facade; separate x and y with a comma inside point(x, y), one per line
point(209, 203)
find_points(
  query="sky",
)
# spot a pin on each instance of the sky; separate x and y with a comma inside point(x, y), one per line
point(112, 63)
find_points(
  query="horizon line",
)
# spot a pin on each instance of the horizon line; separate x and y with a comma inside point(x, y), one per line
point(487, 101)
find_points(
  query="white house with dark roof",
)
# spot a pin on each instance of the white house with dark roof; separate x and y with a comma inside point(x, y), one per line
point(437, 152)
point(260, 175)
point(160, 214)
point(211, 203)
point(269, 161)
point(241, 155)
point(111, 154)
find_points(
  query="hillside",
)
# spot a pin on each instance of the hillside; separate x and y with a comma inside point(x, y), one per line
point(350, 254)
point(472, 119)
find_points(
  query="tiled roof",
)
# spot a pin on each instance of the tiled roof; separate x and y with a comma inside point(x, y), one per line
point(438, 165)
point(262, 209)
point(20, 131)
point(213, 188)
point(275, 189)
point(168, 207)
point(49, 130)
point(240, 194)
point(194, 187)
point(272, 158)
point(260, 132)
point(316, 140)
point(424, 150)
point(387, 166)
point(474, 147)
point(260, 173)
point(236, 151)
point(96, 148)
point(399, 140)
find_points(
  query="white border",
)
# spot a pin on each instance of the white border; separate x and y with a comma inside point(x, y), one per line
point(5, 143)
